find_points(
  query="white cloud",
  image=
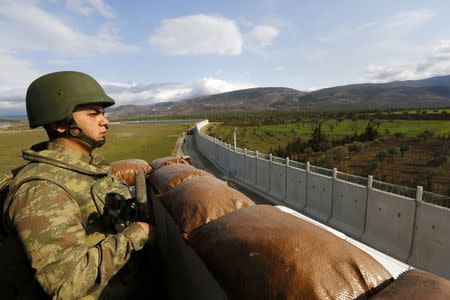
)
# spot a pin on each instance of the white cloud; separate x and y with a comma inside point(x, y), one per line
point(262, 36)
point(197, 34)
point(31, 28)
point(391, 27)
point(15, 71)
point(438, 63)
point(132, 93)
point(87, 7)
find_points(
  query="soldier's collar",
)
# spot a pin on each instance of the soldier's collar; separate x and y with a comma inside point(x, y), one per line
point(64, 157)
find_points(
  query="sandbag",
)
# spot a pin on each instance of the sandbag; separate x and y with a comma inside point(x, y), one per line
point(128, 168)
point(165, 161)
point(200, 200)
point(170, 176)
point(261, 252)
point(416, 285)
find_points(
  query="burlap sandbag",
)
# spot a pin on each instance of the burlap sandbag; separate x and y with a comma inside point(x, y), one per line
point(260, 252)
point(416, 285)
point(128, 168)
point(200, 200)
point(170, 176)
point(165, 161)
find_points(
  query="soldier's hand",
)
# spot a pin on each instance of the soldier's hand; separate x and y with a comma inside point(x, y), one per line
point(150, 230)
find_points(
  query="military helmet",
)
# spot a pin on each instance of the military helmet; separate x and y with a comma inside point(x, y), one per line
point(54, 96)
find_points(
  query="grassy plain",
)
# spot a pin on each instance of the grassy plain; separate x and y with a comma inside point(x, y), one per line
point(144, 141)
point(265, 137)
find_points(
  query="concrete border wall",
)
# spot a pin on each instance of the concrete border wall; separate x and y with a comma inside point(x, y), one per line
point(349, 207)
point(277, 181)
point(429, 250)
point(250, 170)
point(388, 222)
point(296, 189)
point(319, 191)
point(262, 175)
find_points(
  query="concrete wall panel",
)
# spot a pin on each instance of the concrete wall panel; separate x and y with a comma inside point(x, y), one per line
point(277, 181)
point(296, 189)
point(319, 197)
point(431, 246)
point(262, 175)
point(222, 156)
point(240, 165)
point(389, 223)
point(250, 170)
point(349, 207)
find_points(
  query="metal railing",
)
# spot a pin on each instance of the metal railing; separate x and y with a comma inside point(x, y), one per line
point(321, 171)
point(264, 156)
point(352, 178)
point(279, 160)
point(297, 164)
point(437, 199)
point(395, 189)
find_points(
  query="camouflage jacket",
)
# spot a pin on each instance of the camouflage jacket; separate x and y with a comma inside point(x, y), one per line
point(55, 206)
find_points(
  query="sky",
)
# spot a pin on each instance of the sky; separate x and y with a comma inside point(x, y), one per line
point(145, 52)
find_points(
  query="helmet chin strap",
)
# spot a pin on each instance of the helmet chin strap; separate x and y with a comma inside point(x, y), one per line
point(74, 131)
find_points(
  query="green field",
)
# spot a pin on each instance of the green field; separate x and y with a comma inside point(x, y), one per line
point(124, 141)
point(421, 111)
point(264, 137)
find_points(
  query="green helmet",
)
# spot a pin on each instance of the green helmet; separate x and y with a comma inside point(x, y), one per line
point(54, 96)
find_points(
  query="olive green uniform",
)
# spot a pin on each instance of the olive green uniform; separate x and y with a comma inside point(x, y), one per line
point(55, 206)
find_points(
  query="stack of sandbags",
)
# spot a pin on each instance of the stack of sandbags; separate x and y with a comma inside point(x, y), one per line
point(416, 284)
point(192, 196)
point(168, 160)
point(168, 177)
point(129, 168)
point(260, 252)
point(200, 200)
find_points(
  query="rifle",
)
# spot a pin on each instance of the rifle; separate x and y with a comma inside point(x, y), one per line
point(120, 212)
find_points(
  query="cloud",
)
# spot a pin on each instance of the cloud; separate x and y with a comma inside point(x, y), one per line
point(15, 71)
point(132, 93)
point(438, 63)
point(87, 7)
point(390, 27)
point(197, 34)
point(262, 36)
point(12, 101)
point(31, 28)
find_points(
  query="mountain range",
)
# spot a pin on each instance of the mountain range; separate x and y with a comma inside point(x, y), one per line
point(425, 93)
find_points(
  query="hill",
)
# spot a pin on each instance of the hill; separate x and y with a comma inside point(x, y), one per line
point(425, 93)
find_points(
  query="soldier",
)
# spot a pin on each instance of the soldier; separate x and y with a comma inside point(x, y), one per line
point(55, 203)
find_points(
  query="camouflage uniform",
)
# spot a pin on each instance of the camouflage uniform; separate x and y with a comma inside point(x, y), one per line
point(55, 205)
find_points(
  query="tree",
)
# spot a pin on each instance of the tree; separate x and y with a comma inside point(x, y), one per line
point(318, 139)
point(371, 131)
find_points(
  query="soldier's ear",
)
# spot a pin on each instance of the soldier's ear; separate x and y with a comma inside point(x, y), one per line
point(61, 128)
point(55, 130)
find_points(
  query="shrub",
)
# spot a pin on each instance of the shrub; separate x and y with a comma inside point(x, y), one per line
point(403, 149)
point(394, 151)
point(354, 147)
point(338, 153)
point(382, 155)
point(437, 161)
point(372, 165)
point(425, 135)
point(325, 162)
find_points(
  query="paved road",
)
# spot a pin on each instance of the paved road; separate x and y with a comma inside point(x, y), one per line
point(202, 162)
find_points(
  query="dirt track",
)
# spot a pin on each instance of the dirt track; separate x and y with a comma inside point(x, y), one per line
point(201, 162)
